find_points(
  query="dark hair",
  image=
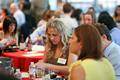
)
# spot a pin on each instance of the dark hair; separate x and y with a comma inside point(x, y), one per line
point(106, 19)
point(5, 11)
point(67, 8)
point(76, 14)
point(115, 13)
point(103, 30)
point(7, 22)
point(26, 5)
point(89, 36)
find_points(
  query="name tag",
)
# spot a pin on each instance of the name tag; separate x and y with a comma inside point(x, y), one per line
point(61, 61)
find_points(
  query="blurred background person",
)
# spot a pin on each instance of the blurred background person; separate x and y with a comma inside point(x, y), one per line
point(3, 14)
point(88, 18)
point(39, 33)
point(60, 4)
point(18, 14)
point(38, 7)
point(77, 14)
point(70, 23)
point(91, 64)
point(93, 12)
point(91, 9)
point(106, 18)
point(30, 25)
point(116, 15)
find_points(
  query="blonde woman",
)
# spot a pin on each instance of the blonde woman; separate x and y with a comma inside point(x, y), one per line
point(57, 56)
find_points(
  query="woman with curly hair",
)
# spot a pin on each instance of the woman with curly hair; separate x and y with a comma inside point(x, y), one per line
point(57, 56)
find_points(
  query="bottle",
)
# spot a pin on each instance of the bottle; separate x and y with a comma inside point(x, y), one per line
point(32, 71)
point(18, 74)
point(22, 43)
point(29, 44)
point(52, 75)
point(40, 73)
point(12, 71)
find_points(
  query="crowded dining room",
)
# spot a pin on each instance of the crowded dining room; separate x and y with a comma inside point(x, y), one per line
point(59, 39)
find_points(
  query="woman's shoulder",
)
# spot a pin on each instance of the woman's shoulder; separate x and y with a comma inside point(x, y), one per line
point(94, 61)
point(88, 62)
point(76, 63)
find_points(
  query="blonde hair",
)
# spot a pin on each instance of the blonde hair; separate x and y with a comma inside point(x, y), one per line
point(60, 27)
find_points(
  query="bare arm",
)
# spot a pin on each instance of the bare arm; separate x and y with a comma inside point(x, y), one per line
point(63, 69)
point(57, 68)
point(77, 73)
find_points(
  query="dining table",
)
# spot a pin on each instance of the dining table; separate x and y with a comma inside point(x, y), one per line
point(22, 59)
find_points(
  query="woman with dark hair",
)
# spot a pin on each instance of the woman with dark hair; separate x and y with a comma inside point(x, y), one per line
point(91, 64)
point(116, 15)
point(106, 19)
point(9, 29)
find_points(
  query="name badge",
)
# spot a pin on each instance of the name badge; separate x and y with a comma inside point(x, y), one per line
point(61, 61)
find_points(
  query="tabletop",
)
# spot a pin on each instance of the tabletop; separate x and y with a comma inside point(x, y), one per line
point(22, 59)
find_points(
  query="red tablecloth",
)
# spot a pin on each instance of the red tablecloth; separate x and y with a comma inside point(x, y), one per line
point(20, 61)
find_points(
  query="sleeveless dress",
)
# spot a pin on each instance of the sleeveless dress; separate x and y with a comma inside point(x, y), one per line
point(95, 69)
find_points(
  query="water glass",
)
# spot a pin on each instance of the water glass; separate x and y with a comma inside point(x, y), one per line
point(40, 73)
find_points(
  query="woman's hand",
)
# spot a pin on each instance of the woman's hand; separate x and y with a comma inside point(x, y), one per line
point(12, 42)
point(40, 64)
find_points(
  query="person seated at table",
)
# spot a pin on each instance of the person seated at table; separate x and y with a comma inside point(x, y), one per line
point(9, 29)
point(57, 52)
point(91, 65)
point(110, 48)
